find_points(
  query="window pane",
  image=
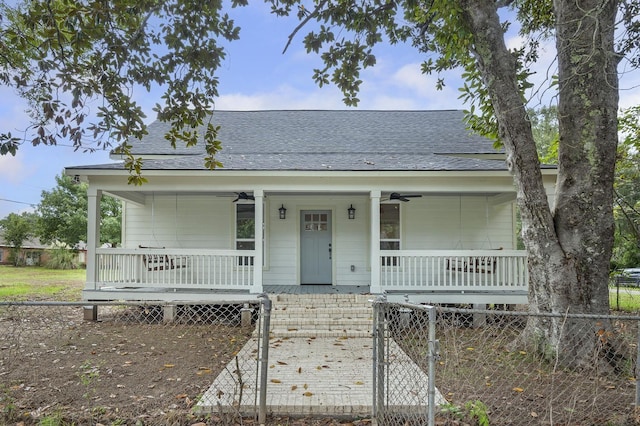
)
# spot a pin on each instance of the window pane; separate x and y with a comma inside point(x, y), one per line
point(389, 221)
point(245, 221)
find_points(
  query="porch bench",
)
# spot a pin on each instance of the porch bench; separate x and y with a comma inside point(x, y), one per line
point(160, 262)
point(480, 265)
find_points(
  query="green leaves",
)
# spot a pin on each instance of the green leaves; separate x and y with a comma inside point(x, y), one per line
point(78, 65)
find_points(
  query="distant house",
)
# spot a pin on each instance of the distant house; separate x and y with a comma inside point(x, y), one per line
point(374, 201)
point(35, 253)
point(32, 253)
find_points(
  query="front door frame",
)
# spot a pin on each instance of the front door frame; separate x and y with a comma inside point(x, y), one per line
point(331, 212)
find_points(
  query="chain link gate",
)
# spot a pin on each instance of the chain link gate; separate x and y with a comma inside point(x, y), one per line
point(405, 352)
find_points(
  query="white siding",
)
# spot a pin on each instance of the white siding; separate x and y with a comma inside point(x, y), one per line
point(456, 222)
point(180, 222)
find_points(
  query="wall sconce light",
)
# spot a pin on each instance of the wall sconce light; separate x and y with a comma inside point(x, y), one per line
point(352, 212)
point(283, 212)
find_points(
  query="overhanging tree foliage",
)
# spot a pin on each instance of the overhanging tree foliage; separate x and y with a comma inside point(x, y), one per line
point(79, 64)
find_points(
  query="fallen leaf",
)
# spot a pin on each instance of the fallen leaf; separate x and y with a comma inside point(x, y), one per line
point(359, 383)
point(518, 390)
point(276, 381)
point(299, 370)
point(282, 363)
point(308, 394)
point(294, 387)
point(306, 386)
point(534, 414)
point(169, 365)
point(181, 396)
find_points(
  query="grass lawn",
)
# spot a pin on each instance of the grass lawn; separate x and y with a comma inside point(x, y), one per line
point(38, 283)
point(627, 299)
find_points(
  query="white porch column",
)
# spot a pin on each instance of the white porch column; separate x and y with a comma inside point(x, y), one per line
point(258, 194)
point(375, 242)
point(93, 236)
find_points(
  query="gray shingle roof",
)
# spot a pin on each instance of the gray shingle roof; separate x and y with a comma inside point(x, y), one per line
point(328, 140)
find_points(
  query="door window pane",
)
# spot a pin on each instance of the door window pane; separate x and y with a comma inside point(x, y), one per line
point(316, 222)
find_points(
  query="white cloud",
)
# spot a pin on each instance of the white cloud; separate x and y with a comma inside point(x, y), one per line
point(13, 170)
point(281, 97)
point(409, 83)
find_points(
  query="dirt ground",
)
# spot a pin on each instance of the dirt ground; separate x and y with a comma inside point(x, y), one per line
point(57, 369)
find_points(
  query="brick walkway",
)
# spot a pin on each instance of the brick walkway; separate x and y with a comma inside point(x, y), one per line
point(320, 362)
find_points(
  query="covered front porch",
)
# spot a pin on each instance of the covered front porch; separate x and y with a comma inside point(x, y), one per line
point(450, 240)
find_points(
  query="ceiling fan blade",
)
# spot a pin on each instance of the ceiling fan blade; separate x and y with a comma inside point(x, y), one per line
point(402, 197)
point(243, 196)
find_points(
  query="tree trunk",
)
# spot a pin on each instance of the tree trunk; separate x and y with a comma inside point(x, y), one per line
point(570, 245)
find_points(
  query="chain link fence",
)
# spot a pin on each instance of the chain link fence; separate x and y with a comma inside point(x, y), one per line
point(476, 369)
point(142, 364)
point(168, 364)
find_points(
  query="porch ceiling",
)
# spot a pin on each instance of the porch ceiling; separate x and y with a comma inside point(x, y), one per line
point(139, 196)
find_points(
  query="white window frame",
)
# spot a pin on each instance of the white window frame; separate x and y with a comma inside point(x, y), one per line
point(237, 240)
point(394, 261)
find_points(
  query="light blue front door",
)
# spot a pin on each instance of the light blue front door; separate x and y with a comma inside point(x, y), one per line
point(315, 247)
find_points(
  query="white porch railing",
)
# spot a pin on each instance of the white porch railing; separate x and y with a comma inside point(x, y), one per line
point(175, 268)
point(454, 270)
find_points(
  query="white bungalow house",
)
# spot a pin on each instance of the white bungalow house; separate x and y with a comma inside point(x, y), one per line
point(402, 202)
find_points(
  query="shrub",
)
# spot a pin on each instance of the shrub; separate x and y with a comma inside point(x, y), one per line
point(62, 258)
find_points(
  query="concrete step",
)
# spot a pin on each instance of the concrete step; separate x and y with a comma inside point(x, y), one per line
point(291, 333)
point(320, 322)
point(331, 312)
point(322, 298)
point(322, 315)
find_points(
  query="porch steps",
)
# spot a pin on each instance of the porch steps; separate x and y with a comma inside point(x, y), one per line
point(321, 315)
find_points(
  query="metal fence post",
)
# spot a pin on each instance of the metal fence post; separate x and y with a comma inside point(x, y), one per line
point(264, 358)
point(378, 355)
point(433, 356)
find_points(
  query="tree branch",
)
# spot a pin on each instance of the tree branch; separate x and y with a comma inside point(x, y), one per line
point(304, 22)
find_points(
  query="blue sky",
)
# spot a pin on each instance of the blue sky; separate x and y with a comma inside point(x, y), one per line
point(256, 76)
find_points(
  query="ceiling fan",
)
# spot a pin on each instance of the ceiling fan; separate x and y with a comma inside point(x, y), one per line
point(243, 196)
point(403, 197)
